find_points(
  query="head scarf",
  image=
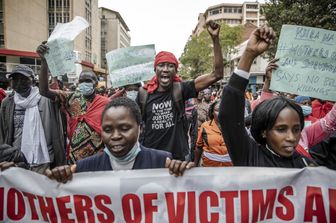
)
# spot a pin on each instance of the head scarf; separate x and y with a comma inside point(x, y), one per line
point(300, 99)
point(167, 57)
point(162, 57)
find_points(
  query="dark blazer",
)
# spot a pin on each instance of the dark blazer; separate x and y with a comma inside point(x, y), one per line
point(146, 159)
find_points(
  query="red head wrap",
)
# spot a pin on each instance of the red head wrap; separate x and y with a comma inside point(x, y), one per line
point(162, 57)
point(165, 57)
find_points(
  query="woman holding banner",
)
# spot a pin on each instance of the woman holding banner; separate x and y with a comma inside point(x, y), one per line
point(121, 120)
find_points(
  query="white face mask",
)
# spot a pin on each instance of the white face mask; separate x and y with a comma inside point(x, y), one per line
point(86, 88)
point(132, 94)
point(307, 110)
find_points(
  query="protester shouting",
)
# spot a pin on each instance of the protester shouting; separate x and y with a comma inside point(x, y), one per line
point(163, 111)
point(276, 123)
point(120, 132)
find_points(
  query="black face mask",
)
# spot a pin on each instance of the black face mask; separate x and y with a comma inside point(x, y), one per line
point(22, 90)
point(22, 85)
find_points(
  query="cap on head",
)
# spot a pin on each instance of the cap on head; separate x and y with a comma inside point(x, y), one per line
point(165, 57)
point(24, 70)
point(300, 99)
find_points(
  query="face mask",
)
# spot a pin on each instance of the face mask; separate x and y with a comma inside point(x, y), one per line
point(132, 94)
point(22, 89)
point(129, 156)
point(307, 110)
point(86, 88)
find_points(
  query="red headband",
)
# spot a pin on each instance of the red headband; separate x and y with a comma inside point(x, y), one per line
point(167, 57)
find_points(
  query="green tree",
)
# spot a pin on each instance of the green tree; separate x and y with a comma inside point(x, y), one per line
point(319, 14)
point(197, 58)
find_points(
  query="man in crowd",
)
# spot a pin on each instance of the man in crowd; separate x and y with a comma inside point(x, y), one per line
point(31, 122)
point(165, 127)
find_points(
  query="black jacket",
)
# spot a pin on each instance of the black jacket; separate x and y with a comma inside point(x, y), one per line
point(146, 159)
point(243, 150)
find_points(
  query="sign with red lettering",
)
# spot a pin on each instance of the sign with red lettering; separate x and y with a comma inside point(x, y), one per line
point(234, 194)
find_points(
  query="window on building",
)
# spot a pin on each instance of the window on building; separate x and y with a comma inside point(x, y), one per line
point(225, 10)
point(66, 3)
point(58, 3)
point(51, 19)
point(215, 11)
point(88, 56)
point(66, 17)
point(88, 3)
point(51, 3)
point(252, 6)
point(58, 17)
point(2, 41)
point(232, 10)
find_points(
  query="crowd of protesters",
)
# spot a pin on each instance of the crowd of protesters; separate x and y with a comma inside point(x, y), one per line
point(165, 123)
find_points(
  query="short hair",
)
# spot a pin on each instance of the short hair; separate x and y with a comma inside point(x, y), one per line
point(127, 103)
point(211, 109)
point(266, 113)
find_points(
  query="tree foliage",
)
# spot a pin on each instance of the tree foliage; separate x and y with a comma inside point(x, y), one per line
point(197, 58)
point(319, 14)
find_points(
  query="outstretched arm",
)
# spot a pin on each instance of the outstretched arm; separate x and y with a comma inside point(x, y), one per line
point(43, 75)
point(206, 80)
point(231, 113)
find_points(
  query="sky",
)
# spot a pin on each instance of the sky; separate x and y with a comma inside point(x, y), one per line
point(165, 23)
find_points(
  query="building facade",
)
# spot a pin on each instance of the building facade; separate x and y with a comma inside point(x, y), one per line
point(247, 14)
point(232, 14)
point(24, 24)
point(114, 34)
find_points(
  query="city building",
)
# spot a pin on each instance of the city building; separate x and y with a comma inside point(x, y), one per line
point(24, 24)
point(232, 14)
point(247, 14)
point(114, 34)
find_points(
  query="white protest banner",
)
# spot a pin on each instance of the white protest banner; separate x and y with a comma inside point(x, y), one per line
point(307, 65)
point(229, 194)
point(131, 65)
point(61, 57)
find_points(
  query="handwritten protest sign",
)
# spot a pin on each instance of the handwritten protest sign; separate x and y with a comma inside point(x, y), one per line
point(61, 57)
point(131, 65)
point(235, 194)
point(307, 63)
